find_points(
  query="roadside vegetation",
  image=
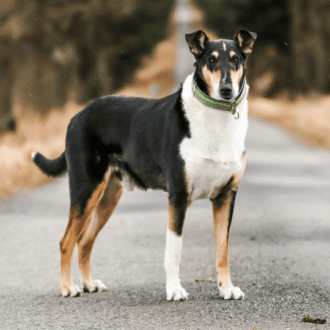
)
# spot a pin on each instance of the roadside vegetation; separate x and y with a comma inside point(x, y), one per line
point(46, 78)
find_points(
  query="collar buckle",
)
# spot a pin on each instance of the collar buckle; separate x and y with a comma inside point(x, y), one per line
point(234, 110)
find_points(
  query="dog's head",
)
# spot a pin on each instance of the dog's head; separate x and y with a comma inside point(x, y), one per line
point(220, 64)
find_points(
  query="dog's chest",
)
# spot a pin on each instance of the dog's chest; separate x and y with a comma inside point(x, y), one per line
point(212, 155)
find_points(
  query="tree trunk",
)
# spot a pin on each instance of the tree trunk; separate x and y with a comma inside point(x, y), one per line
point(310, 33)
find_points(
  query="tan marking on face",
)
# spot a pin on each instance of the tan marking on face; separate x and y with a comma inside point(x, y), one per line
point(212, 79)
point(236, 76)
point(215, 54)
point(232, 53)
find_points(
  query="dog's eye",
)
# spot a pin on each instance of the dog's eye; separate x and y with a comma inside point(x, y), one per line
point(212, 60)
point(235, 58)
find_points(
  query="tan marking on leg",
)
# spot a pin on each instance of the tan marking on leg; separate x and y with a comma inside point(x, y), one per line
point(221, 223)
point(221, 214)
point(100, 217)
point(211, 78)
point(187, 183)
point(238, 176)
point(74, 232)
point(67, 245)
point(97, 194)
point(171, 218)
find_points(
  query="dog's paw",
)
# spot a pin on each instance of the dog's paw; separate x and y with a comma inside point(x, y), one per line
point(72, 291)
point(176, 293)
point(94, 286)
point(232, 293)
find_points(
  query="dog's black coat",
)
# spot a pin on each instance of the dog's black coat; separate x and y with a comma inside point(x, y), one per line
point(139, 136)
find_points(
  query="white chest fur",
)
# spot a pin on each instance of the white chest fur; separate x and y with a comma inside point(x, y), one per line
point(213, 153)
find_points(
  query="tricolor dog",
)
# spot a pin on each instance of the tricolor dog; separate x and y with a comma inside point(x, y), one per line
point(190, 144)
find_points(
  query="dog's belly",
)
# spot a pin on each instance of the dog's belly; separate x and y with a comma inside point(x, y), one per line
point(206, 177)
point(136, 173)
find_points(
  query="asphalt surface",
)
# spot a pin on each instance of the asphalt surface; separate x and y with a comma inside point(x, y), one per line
point(279, 251)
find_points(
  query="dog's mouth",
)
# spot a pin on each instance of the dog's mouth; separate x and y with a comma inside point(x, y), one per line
point(227, 98)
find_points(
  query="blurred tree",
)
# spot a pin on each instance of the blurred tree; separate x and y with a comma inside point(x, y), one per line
point(52, 51)
point(269, 18)
point(310, 30)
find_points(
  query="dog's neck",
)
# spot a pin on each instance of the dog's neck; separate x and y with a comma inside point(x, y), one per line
point(217, 134)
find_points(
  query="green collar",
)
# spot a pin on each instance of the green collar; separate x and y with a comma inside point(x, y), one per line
point(220, 105)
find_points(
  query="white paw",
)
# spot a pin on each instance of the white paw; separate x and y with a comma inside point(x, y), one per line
point(95, 286)
point(72, 291)
point(232, 293)
point(176, 293)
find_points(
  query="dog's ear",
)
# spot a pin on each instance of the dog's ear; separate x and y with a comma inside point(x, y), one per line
point(245, 40)
point(197, 42)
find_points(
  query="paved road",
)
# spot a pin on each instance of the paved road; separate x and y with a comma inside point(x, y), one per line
point(279, 252)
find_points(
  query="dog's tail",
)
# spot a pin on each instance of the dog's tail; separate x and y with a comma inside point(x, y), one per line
point(54, 167)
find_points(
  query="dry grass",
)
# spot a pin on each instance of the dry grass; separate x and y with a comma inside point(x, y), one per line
point(306, 119)
point(47, 134)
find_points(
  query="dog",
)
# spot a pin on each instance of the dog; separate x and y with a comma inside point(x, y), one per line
point(190, 144)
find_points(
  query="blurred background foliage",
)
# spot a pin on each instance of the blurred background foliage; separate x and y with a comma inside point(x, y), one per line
point(57, 55)
point(55, 51)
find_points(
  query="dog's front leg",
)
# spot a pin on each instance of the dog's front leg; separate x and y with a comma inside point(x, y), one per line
point(223, 208)
point(177, 211)
point(222, 213)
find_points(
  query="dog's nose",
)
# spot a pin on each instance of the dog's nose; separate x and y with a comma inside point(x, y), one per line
point(226, 91)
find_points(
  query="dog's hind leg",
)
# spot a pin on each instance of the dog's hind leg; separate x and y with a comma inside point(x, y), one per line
point(67, 245)
point(79, 221)
point(99, 218)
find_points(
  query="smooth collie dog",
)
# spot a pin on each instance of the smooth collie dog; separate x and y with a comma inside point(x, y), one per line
point(190, 144)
